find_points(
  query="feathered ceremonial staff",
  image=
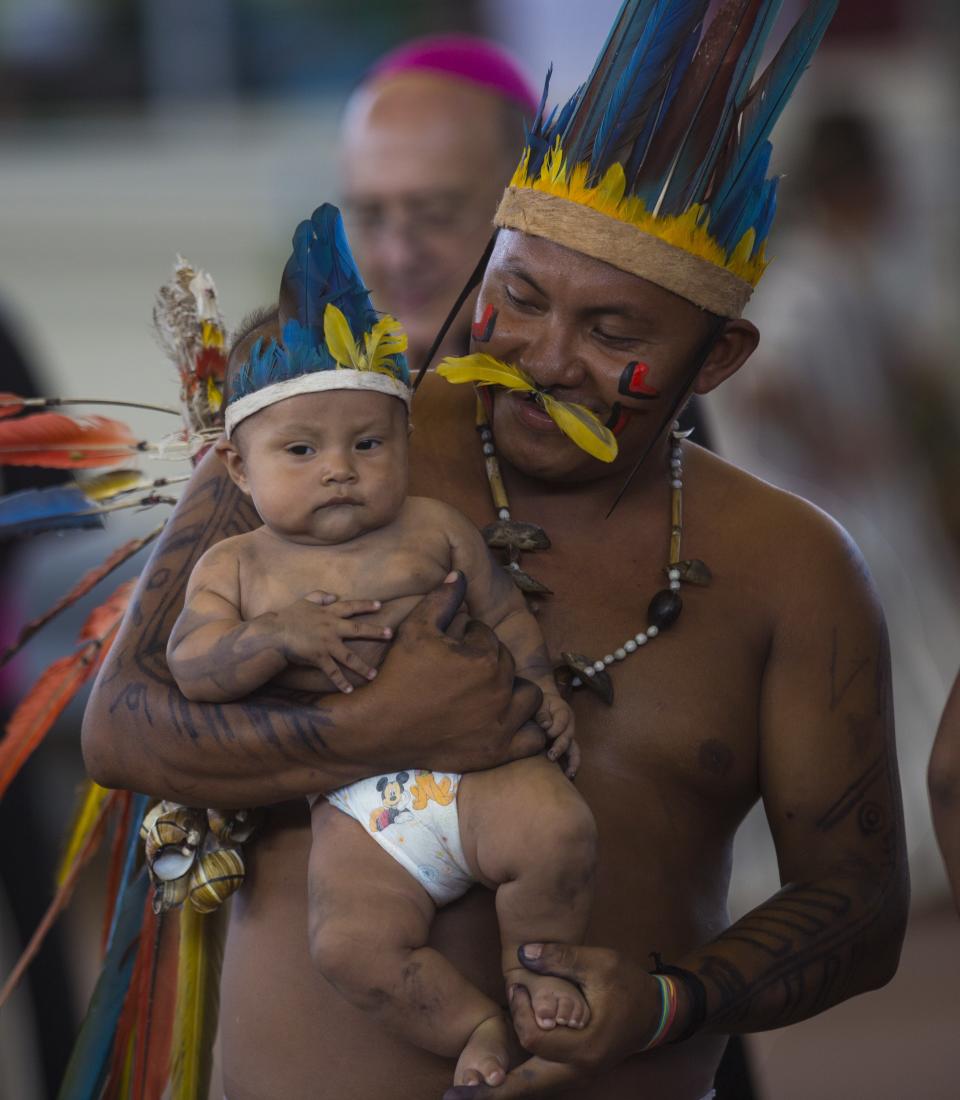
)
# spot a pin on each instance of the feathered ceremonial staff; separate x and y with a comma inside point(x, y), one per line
point(125, 1046)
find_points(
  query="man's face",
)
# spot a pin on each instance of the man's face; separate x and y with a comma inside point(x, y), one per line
point(424, 162)
point(590, 334)
point(324, 468)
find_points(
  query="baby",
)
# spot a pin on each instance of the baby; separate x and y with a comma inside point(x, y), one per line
point(326, 468)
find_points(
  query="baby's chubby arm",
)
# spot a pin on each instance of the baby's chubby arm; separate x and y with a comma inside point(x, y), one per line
point(494, 599)
point(216, 656)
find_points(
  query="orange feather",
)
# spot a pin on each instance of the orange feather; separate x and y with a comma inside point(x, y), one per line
point(52, 439)
point(10, 404)
point(88, 581)
point(49, 696)
point(105, 619)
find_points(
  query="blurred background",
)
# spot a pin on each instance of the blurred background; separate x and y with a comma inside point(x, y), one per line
point(131, 131)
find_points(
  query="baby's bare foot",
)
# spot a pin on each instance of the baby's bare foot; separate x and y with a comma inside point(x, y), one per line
point(556, 1002)
point(490, 1052)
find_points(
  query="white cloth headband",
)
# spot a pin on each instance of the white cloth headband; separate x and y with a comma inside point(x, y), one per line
point(314, 382)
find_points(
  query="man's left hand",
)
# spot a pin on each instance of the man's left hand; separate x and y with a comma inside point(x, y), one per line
point(625, 1003)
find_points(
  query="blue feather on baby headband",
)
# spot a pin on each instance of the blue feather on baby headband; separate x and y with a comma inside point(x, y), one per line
point(331, 338)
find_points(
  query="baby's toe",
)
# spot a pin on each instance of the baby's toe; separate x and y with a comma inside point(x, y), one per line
point(545, 1005)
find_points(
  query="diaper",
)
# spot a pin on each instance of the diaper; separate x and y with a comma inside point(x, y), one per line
point(412, 815)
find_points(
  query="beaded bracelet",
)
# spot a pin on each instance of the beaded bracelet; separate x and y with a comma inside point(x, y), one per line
point(668, 1011)
point(696, 991)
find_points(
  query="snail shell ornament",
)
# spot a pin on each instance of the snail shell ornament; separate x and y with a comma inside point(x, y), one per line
point(217, 874)
point(172, 841)
point(194, 854)
point(233, 826)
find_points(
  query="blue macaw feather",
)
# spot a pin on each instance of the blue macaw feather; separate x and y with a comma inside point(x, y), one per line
point(320, 271)
point(644, 80)
point(55, 509)
point(767, 99)
point(767, 212)
point(580, 135)
point(90, 1059)
point(141, 803)
point(746, 59)
point(634, 165)
point(741, 210)
point(679, 154)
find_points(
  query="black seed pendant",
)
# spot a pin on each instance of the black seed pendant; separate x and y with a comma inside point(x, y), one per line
point(664, 609)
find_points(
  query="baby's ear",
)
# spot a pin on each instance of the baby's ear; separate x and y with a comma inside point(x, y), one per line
point(231, 457)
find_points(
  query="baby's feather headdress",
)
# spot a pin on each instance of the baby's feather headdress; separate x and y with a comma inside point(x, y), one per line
point(331, 336)
point(658, 164)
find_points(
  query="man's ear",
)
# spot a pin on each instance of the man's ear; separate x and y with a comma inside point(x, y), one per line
point(231, 457)
point(732, 348)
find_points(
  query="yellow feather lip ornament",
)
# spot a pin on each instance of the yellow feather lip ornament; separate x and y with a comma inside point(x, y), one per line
point(576, 422)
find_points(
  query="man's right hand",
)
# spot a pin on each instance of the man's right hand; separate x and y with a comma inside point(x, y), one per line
point(448, 692)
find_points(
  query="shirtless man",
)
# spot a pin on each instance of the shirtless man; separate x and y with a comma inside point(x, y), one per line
point(773, 684)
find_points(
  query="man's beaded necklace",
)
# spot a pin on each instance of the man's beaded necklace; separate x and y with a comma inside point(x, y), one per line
point(515, 537)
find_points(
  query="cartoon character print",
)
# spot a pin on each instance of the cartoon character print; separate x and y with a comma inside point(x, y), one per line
point(395, 801)
point(426, 787)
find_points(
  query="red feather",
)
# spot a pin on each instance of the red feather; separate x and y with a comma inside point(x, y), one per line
point(10, 404)
point(152, 1066)
point(52, 439)
point(89, 580)
point(146, 1019)
point(49, 696)
point(211, 363)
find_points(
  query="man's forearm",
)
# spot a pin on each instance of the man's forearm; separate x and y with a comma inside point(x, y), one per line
point(140, 732)
point(809, 947)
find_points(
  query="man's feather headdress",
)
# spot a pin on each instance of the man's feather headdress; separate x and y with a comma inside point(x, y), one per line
point(331, 336)
point(658, 163)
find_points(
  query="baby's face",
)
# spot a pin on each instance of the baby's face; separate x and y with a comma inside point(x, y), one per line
point(324, 468)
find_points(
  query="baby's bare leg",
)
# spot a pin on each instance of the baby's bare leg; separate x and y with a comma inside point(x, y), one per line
point(528, 833)
point(369, 924)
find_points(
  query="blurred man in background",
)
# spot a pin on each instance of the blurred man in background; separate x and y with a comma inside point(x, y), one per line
point(429, 142)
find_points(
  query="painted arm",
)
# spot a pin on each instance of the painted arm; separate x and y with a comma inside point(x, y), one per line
point(944, 782)
point(140, 732)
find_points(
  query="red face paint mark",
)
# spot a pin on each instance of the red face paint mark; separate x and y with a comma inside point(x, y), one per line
point(621, 423)
point(633, 382)
point(482, 330)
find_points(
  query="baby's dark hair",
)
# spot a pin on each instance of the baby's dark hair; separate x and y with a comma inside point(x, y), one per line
point(264, 317)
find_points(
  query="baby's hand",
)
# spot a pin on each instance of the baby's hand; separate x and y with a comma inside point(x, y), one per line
point(555, 717)
point(314, 630)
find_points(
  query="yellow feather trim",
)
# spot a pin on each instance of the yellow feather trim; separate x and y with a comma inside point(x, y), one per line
point(688, 231)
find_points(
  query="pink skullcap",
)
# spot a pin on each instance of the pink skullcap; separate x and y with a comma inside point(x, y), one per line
point(474, 60)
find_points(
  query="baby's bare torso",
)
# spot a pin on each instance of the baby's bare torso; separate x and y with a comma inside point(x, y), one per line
point(397, 564)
